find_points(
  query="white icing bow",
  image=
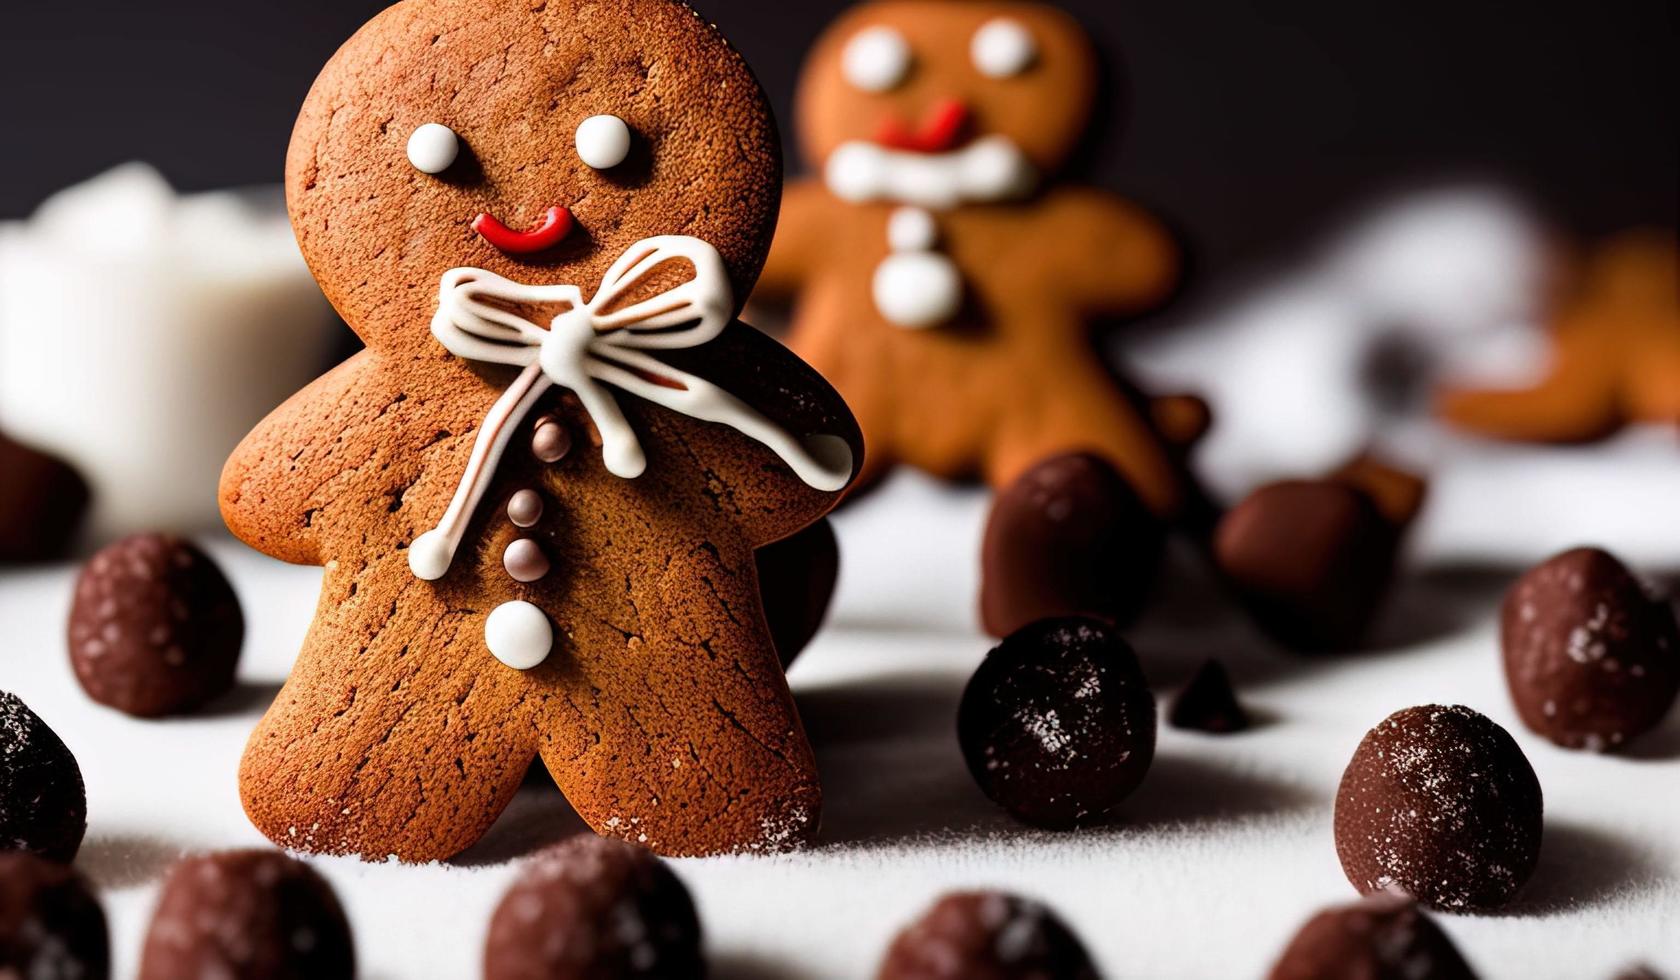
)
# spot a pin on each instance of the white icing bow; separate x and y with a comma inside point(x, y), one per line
point(590, 345)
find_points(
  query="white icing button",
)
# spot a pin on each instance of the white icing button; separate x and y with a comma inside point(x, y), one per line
point(911, 230)
point(918, 289)
point(1002, 48)
point(525, 561)
point(432, 148)
point(876, 59)
point(518, 634)
point(603, 142)
point(525, 508)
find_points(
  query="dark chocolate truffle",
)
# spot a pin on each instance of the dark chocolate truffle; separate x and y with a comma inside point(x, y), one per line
point(1590, 658)
point(594, 909)
point(987, 936)
point(1068, 537)
point(1208, 704)
point(155, 627)
point(42, 500)
point(51, 926)
point(1440, 803)
point(1058, 724)
point(1310, 559)
point(1380, 938)
point(252, 914)
point(796, 578)
point(43, 805)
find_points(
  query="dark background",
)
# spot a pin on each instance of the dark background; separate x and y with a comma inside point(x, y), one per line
point(1247, 122)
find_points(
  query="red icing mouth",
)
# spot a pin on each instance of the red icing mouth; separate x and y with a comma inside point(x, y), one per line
point(555, 226)
point(941, 129)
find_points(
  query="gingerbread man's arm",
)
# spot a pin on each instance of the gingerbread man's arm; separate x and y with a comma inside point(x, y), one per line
point(796, 249)
point(1577, 401)
point(1112, 257)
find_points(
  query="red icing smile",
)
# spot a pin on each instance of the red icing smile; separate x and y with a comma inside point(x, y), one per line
point(944, 126)
point(556, 224)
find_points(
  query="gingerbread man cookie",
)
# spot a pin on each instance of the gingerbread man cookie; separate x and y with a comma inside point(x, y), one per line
point(940, 276)
point(1615, 354)
point(538, 492)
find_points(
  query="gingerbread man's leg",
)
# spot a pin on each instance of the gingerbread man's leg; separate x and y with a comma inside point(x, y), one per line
point(394, 735)
point(683, 737)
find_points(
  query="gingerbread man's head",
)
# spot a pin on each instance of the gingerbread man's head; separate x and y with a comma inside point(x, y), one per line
point(433, 141)
point(939, 102)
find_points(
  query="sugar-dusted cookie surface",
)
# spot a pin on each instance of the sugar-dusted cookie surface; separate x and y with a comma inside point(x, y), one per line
point(537, 493)
point(942, 274)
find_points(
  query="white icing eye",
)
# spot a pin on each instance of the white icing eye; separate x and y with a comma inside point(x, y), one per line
point(432, 148)
point(1003, 48)
point(603, 141)
point(876, 59)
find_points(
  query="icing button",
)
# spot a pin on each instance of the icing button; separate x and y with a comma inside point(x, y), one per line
point(518, 634)
point(911, 230)
point(916, 290)
point(525, 508)
point(551, 441)
point(525, 561)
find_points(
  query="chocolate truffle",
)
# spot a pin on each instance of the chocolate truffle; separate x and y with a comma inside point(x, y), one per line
point(1440, 803)
point(1058, 724)
point(1208, 704)
point(1380, 938)
point(155, 627)
point(43, 805)
point(1310, 559)
point(252, 914)
point(796, 578)
point(1068, 537)
point(1590, 658)
point(987, 936)
point(51, 926)
point(594, 909)
point(42, 500)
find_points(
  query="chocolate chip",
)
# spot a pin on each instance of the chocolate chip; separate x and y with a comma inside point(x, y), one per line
point(1440, 803)
point(1057, 724)
point(42, 500)
point(1208, 704)
point(591, 908)
point(1310, 559)
point(987, 936)
point(1070, 536)
point(43, 805)
point(1380, 938)
point(1591, 660)
point(51, 925)
point(155, 627)
point(247, 913)
point(796, 578)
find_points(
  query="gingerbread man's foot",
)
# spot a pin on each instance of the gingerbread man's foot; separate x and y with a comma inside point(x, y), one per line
point(1069, 536)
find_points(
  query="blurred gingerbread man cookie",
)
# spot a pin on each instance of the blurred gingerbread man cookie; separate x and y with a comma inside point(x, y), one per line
point(538, 493)
point(1615, 353)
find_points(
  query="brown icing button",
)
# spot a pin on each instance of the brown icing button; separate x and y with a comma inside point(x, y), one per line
point(525, 561)
point(155, 628)
point(525, 508)
point(1068, 537)
point(43, 805)
point(1381, 938)
point(987, 936)
point(1440, 803)
point(1311, 560)
point(590, 908)
point(247, 913)
point(42, 500)
point(51, 925)
point(796, 578)
point(1591, 660)
point(551, 441)
point(1208, 704)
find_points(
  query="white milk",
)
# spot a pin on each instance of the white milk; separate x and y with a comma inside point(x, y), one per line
point(143, 334)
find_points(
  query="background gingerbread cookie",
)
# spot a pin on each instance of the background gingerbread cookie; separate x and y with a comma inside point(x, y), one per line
point(538, 492)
